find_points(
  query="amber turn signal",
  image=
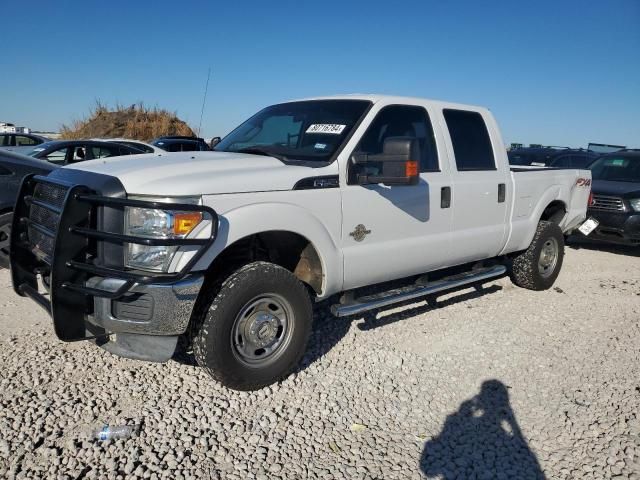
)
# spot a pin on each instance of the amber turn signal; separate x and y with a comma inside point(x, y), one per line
point(184, 222)
point(411, 169)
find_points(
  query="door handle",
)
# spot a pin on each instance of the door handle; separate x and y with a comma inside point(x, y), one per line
point(502, 192)
point(445, 197)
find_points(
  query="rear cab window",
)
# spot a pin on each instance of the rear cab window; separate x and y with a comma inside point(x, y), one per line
point(470, 140)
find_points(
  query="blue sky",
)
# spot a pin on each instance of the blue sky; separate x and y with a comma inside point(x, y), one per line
point(562, 72)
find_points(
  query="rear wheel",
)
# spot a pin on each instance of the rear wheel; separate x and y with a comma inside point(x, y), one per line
point(5, 237)
point(256, 328)
point(538, 267)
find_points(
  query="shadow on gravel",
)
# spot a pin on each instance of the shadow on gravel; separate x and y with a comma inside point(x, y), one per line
point(329, 330)
point(371, 321)
point(481, 440)
point(577, 243)
point(326, 333)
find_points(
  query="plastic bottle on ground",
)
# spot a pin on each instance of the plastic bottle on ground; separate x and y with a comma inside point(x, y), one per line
point(116, 432)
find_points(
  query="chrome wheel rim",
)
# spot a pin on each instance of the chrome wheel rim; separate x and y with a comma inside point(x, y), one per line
point(262, 329)
point(548, 258)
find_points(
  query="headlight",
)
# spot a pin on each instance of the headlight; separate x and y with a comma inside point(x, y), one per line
point(155, 223)
point(635, 204)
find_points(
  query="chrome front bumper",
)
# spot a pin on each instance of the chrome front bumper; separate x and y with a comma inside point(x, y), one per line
point(153, 309)
point(145, 323)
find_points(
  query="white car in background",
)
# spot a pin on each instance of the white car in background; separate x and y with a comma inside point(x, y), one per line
point(140, 145)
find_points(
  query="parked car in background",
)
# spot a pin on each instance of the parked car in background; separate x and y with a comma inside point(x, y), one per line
point(64, 152)
point(20, 142)
point(615, 202)
point(180, 144)
point(554, 157)
point(137, 144)
point(13, 168)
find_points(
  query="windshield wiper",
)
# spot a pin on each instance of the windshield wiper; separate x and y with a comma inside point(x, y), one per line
point(261, 151)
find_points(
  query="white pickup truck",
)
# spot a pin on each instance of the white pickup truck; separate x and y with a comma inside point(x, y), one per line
point(304, 200)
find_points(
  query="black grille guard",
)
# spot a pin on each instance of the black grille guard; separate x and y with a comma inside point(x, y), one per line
point(74, 258)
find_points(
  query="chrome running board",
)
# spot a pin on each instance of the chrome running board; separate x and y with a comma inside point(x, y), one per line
point(397, 295)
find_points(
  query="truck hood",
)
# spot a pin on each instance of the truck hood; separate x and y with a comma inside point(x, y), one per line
point(198, 173)
point(616, 189)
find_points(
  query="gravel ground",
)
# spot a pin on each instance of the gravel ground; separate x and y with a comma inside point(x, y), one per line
point(504, 383)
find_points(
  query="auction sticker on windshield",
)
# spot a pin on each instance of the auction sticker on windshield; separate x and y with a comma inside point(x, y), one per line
point(589, 226)
point(331, 128)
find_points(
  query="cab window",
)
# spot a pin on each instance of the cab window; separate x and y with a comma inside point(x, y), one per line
point(470, 140)
point(402, 121)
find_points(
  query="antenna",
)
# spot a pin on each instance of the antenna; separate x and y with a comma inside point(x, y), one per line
point(204, 100)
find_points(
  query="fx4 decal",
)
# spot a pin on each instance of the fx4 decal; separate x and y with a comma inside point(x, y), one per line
point(583, 182)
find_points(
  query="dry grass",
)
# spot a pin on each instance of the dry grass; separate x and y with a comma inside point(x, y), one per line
point(136, 122)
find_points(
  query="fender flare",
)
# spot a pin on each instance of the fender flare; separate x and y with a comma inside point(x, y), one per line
point(258, 218)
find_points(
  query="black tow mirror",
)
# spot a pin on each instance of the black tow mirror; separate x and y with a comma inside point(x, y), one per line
point(398, 164)
point(214, 141)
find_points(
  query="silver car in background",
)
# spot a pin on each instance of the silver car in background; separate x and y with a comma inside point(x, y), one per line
point(21, 142)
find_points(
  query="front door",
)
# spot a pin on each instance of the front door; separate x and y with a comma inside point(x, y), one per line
point(396, 231)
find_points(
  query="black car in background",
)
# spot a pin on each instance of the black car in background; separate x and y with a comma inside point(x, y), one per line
point(13, 168)
point(64, 152)
point(555, 157)
point(179, 143)
point(616, 197)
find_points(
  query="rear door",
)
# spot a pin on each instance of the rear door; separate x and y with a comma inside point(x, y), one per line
point(481, 188)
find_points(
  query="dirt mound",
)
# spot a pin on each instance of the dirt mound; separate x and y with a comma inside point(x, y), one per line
point(135, 122)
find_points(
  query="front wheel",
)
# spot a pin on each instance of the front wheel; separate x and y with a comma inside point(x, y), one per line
point(256, 328)
point(539, 265)
point(5, 238)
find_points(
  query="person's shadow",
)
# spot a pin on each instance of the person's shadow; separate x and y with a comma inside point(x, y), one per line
point(481, 440)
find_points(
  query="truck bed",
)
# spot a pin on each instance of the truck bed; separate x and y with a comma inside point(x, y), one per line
point(535, 188)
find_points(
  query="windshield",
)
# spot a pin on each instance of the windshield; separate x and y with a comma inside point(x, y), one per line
point(617, 169)
point(309, 130)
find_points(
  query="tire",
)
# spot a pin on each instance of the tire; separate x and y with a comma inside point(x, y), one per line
point(256, 327)
point(5, 236)
point(539, 265)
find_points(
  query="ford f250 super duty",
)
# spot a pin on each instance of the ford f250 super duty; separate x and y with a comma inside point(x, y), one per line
point(305, 200)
